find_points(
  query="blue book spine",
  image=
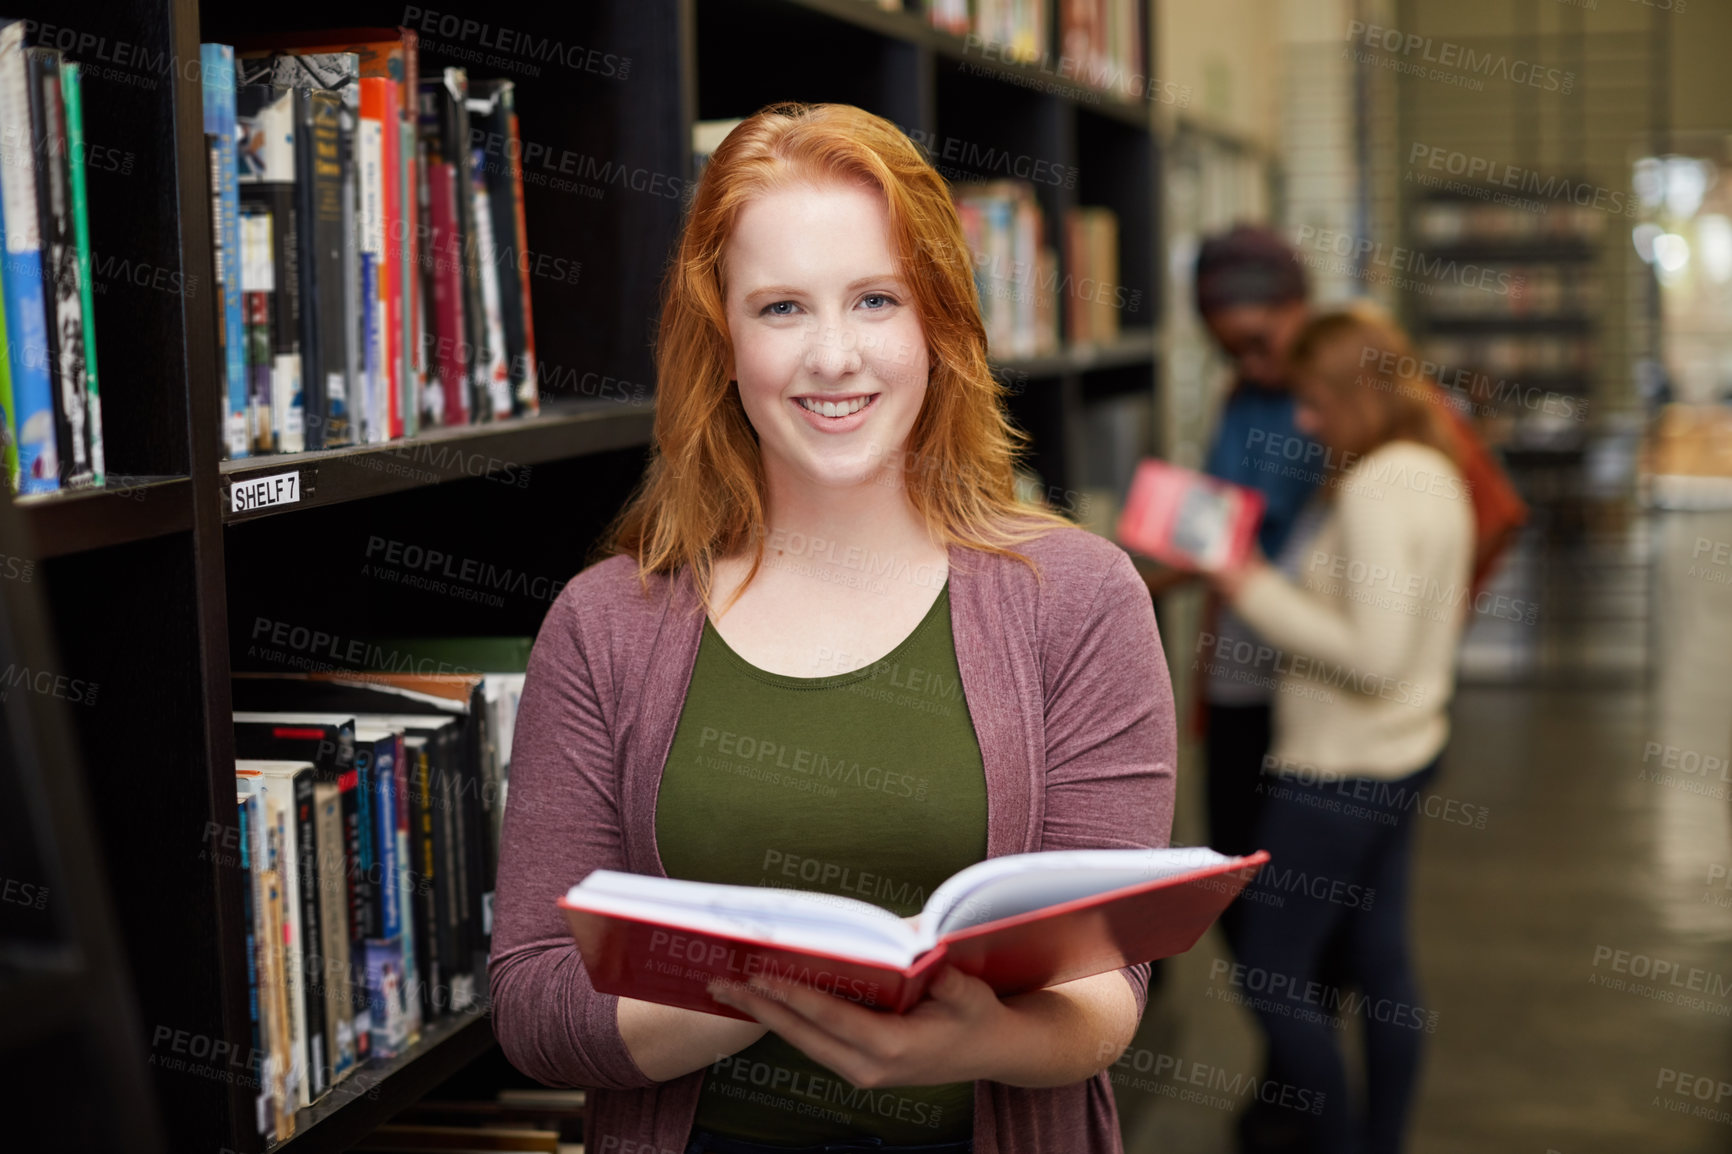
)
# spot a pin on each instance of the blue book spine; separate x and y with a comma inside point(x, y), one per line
point(365, 793)
point(245, 808)
point(218, 69)
point(386, 990)
point(372, 334)
point(385, 811)
point(21, 277)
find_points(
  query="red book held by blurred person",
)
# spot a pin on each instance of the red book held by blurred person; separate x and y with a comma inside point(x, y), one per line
point(1187, 520)
point(1018, 922)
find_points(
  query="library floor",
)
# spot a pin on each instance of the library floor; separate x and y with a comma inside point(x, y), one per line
point(1590, 863)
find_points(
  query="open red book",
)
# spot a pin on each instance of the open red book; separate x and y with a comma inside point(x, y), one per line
point(1187, 519)
point(1019, 922)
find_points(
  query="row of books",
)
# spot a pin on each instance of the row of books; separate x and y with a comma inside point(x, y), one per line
point(1101, 41)
point(1021, 278)
point(1015, 270)
point(371, 242)
point(1515, 290)
point(1514, 357)
point(1465, 221)
point(367, 821)
point(1014, 29)
point(50, 407)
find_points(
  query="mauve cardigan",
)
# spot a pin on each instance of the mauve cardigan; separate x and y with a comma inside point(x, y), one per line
point(1068, 690)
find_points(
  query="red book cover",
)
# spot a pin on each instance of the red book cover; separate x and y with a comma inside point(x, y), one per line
point(657, 954)
point(1188, 520)
point(390, 268)
point(531, 396)
point(447, 290)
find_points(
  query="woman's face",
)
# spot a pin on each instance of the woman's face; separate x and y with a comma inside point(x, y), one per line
point(829, 352)
point(1329, 414)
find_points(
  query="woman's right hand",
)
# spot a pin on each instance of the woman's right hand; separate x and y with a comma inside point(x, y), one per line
point(667, 1041)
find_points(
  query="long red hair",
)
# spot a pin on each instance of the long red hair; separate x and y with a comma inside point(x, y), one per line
point(703, 495)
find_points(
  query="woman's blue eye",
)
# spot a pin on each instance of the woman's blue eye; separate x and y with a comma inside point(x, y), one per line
point(775, 308)
point(870, 297)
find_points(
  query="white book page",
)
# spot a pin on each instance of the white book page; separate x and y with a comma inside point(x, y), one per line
point(792, 918)
point(1003, 887)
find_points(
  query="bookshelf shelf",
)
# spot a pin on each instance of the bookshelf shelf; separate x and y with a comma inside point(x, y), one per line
point(977, 58)
point(78, 520)
point(504, 450)
point(1542, 323)
point(1516, 252)
point(1135, 347)
point(379, 1089)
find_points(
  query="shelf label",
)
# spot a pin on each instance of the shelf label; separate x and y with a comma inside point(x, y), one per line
point(256, 493)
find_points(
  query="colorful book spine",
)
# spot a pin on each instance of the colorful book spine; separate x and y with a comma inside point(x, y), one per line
point(492, 364)
point(8, 442)
point(258, 276)
point(426, 335)
point(275, 934)
point(72, 88)
point(66, 307)
point(385, 836)
point(390, 242)
point(327, 260)
point(311, 941)
point(21, 279)
point(268, 117)
point(370, 347)
point(350, 796)
point(218, 69)
point(334, 929)
point(385, 986)
point(408, 912)
point(61, 299)
point(448, 291)
point(347, 429)
point(369, 166)
point(527, 380)
point(408, 280)
point(427, 892)
point(246, 821)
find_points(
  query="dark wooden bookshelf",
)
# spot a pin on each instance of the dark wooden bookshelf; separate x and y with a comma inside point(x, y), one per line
point(152, 588)
point(132, 510)
point(501, 450)
point(382, 1087)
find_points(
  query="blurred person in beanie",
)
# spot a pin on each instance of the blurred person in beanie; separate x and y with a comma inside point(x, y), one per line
point(1252, 295)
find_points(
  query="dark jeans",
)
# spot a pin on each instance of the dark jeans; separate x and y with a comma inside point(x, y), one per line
point(702, 1142)
point(1238, 737)
point(1351, 841)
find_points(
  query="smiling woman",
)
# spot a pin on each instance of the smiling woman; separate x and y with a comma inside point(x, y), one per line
point(823, 382)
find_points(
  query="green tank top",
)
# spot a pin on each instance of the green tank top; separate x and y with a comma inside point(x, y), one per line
point(867, 784)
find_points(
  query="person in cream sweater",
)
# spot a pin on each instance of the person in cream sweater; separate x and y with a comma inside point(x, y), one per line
point(1362, 611)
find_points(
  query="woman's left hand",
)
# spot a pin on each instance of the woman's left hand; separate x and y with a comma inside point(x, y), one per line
point(954, 1035)
point(1228, 582)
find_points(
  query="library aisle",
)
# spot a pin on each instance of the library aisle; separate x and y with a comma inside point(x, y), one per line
point(1577, 951)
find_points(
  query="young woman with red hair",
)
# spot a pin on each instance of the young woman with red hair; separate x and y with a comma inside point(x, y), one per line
point(829, 650)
